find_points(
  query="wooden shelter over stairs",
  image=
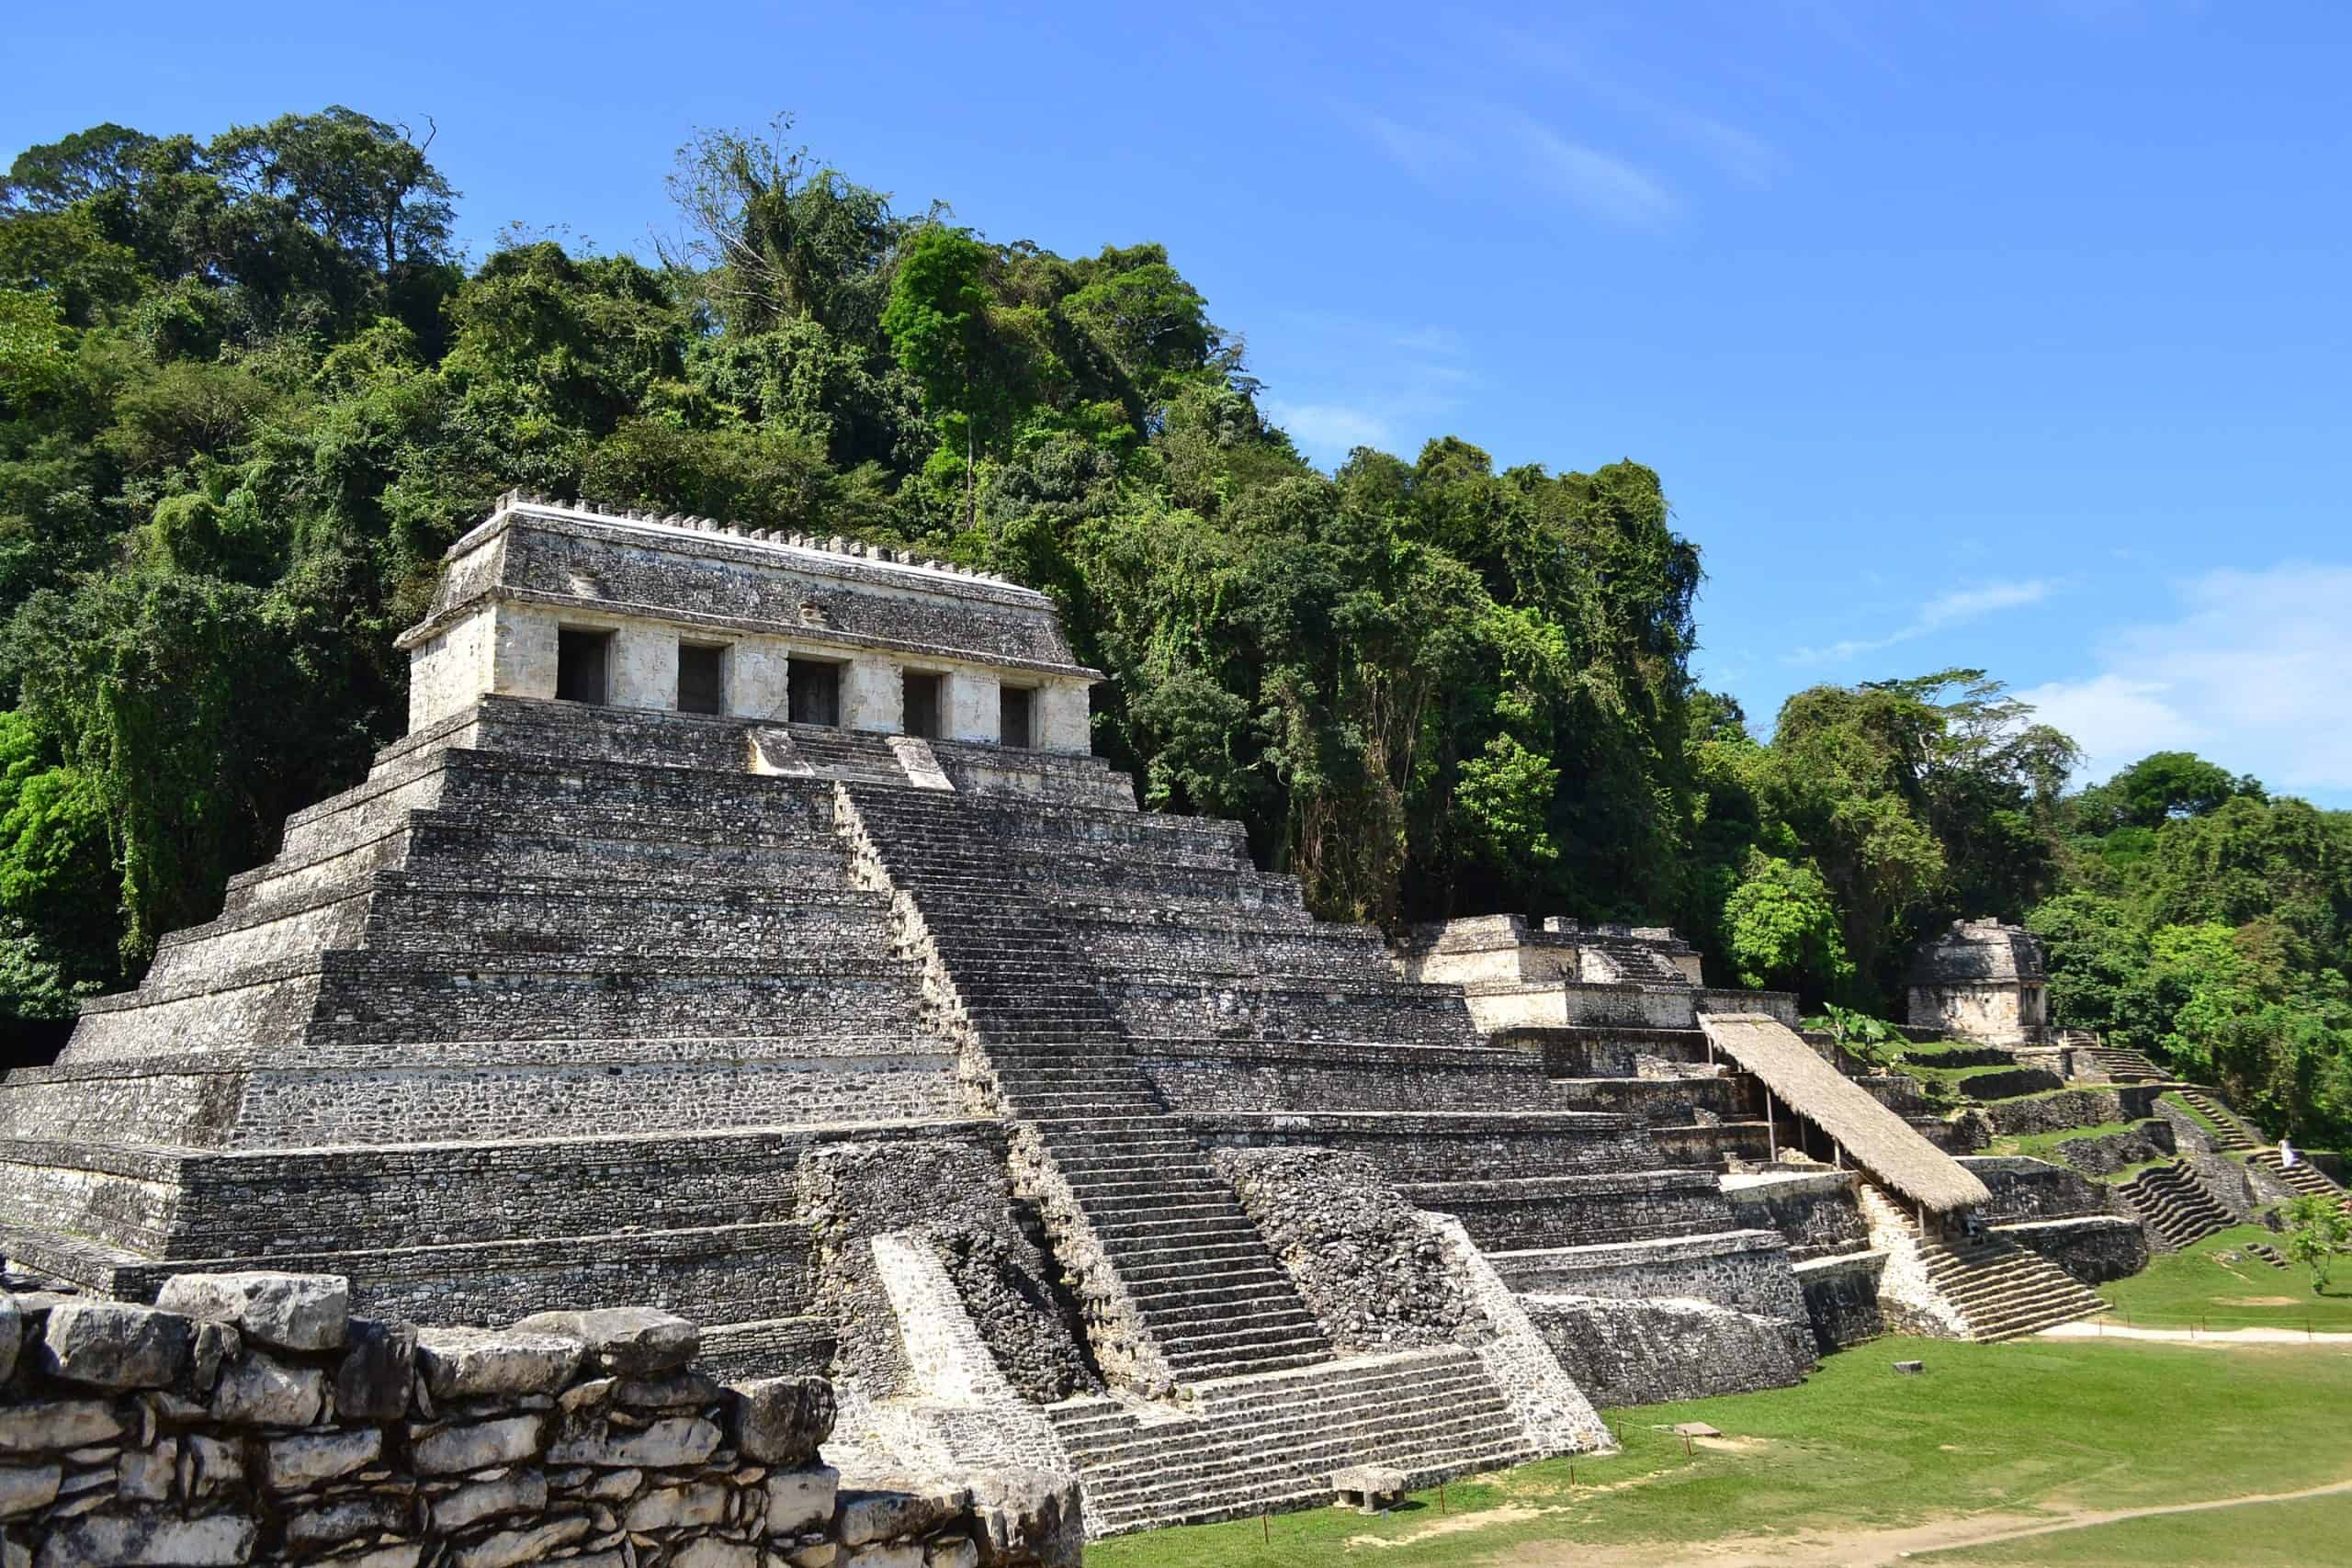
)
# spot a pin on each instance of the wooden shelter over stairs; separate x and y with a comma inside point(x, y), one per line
point(1871, 1135)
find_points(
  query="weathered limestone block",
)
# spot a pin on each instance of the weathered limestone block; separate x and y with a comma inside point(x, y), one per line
point(313, 1529)
point(261, 1392)
point(870, 1515)
point(299, 1463)
point(531, 1544)
point(374, 1379)
point(1368, 1488)
point(631, 1341)
point(665, 1444)
point(780, 1421)
point(293, 1312)
point(454, 1450)
point(474, 1363)
point(139, 1541)
point(12, 1336)
point(115, 1345)
point(516, 1491)
point(677, 1507)
point(801, 1500)
point(148, 1476)
point(24, 1488)
point(56, 1426)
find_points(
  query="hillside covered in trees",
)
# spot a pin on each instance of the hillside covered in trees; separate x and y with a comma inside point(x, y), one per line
point(250, 390)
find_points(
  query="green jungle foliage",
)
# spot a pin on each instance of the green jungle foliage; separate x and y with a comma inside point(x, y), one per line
point(250, 391)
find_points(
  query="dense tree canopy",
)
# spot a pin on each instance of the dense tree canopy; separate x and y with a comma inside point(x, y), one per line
point(250, 391)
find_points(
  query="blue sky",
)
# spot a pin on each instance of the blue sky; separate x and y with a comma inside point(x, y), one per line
point(2010, 334)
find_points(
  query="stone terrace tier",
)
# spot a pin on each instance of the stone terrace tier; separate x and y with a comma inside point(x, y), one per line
point(545, 1012)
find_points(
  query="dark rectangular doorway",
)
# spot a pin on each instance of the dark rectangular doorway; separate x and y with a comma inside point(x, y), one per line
point(815, 689)
point(581, 660)
point(1016, 716)
point(702, 679)
point(923, 699)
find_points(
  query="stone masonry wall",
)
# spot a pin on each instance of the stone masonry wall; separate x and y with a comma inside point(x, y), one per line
point(1375, 1276)
point(249, 1418)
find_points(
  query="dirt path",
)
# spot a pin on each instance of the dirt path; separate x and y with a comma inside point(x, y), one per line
point(2194, 1336)
point(1869, 1549)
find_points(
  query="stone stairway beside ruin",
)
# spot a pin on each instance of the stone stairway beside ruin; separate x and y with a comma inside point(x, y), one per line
point(1207, 1295)
point(2174, 1205)
point(1247, 1445)
point(2120, 1065)
point(2003, 1291)
point(2306, 1179)
point(2227, 1133)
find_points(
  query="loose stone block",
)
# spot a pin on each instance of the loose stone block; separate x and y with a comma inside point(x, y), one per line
point(474, 1363)
point(677, 1507)
point(12, 1336)
point(293, 1312)
point(631, 1341)
point(116, 1344)
point(951, 1554)
point(781, 1420)
point(1368, 1488)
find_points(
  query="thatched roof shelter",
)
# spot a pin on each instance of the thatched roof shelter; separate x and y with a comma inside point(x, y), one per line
point(1872, 1136)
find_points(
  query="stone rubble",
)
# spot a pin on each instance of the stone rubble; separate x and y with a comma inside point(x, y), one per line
point(584, 1438)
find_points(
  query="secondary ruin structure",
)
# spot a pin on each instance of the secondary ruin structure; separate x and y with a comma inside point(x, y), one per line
point(1983, 981)
point(744, 929)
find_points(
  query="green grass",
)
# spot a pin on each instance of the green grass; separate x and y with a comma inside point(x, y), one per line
point(2172, 1097)
point(2264, 1535)
point(2194, 1287)
point(2044, 1145)
point(2000, 1427)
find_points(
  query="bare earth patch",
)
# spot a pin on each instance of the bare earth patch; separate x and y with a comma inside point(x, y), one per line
point(2254, 1301)
point(1873, 1549)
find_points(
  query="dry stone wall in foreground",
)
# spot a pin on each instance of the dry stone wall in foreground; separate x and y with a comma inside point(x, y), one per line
point(249, 1418)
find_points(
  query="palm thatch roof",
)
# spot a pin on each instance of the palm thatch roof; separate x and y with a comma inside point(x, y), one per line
point(1873, 1137)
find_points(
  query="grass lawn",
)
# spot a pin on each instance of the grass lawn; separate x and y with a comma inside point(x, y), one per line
point(2194, 1286)
point(2009, 1429)
point(2268, 1534)
point(2044, 1145)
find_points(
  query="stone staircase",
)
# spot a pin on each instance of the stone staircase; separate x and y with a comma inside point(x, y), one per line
point(2120, 1065)
point(2267, 1253)
point(1264, 1443)
point(2174, 1205)
point(1134, 1186)
point(2306, 1179)
point(2228, 1133)
point(2004, 1291)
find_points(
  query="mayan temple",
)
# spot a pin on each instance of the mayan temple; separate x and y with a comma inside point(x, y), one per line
point(744, 929)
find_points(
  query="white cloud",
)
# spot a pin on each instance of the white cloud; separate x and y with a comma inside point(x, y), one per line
point(1331, 431)
point(1954, 607)
point(2251, 671)
point(1606, 186)
point(1490, 143)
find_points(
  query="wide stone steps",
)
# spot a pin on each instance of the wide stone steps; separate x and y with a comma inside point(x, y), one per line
point(2302, 1176)
point(2228, 1133)
point(2003, 1291)
point(2174, 1204)
point(1267, 1443)
point(1031, 995)
point(2120, 1065)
